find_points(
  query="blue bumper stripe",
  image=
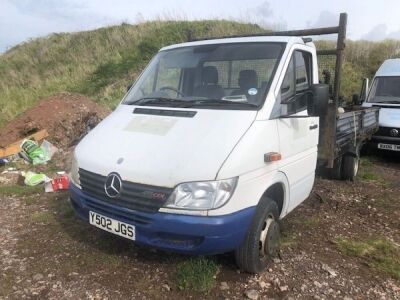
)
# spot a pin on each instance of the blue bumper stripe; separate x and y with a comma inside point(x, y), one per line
point(180, 233)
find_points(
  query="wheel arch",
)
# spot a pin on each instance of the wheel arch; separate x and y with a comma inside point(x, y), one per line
point(278, 190)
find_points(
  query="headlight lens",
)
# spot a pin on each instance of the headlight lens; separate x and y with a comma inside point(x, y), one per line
point(202, 195)
point(74, 175)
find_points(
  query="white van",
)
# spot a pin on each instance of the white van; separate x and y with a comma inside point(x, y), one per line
point(385, 94)
point(213, 145)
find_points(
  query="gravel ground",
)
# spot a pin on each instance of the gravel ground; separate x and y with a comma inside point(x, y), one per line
point(48, 253)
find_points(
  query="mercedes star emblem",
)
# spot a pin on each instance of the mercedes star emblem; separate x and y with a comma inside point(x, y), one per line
point(394, 132)
point(113, 185)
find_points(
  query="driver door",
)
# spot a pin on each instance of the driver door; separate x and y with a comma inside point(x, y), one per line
point(298, 132)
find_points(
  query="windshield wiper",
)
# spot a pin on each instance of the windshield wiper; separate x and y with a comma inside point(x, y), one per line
point(389, 102)
point(219, 102)
point(157, 100)
point(188, 103)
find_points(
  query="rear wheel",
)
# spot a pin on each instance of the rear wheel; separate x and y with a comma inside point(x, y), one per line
point(350, 167)
point(335, 172)
point(262, 240)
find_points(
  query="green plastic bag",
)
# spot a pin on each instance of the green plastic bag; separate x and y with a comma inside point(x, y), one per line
point(34, 152)
point(33, 179)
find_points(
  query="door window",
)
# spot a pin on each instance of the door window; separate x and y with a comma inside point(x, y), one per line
point(297, 82)
point(302, 71)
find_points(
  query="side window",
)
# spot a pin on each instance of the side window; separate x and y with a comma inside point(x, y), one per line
point(302, 71)
point(297, 81)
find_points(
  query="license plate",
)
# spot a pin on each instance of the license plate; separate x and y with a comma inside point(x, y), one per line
point(389, 147)
point(117, 227)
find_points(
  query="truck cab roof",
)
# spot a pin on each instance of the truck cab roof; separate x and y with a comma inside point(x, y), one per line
point(390, 67)
point(250, 39)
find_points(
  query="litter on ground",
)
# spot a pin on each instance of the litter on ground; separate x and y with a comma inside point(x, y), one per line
point(34, 153)
point(57, 184)
point(32, 179)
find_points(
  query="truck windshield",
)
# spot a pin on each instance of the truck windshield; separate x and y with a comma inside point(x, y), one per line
point(227, 76)
point(385, 90)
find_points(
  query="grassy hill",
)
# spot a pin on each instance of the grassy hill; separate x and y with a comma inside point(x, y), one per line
point(98, 63)
point(101, 63)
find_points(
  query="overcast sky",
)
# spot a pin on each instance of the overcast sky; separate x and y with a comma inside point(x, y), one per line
point(24, 19)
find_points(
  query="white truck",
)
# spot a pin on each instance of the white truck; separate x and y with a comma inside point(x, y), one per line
point(216, 142)
point(385, 94)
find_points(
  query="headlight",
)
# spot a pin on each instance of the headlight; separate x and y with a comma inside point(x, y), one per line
point(202, 195)
point(74, 175)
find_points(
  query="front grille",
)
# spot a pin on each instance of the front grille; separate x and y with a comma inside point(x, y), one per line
point(385, 131)
point(134, 196)
point(119, 213)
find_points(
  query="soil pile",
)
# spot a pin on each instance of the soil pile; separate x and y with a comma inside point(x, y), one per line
point(65, 116)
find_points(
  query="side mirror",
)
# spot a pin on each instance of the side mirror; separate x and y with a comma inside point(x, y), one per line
point(318, 103)
point(356, 99)
point(128, 87)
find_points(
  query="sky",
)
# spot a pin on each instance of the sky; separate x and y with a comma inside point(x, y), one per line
point(21, 20)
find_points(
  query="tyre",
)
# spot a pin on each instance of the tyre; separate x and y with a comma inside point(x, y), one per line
point(261, 242)
point(350, 167)
point(336, 171)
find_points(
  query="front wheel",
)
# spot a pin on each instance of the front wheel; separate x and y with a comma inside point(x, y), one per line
point(262, 239)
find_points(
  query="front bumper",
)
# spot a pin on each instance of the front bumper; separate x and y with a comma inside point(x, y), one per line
point(198, 235)
point(377, 139)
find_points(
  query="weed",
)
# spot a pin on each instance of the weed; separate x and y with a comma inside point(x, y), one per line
point(65, 210)
point(197, 274)
point(43, 217)
point(386, 202)
point(380, 254)
point(366, 171)
point(308, 222)
point(366, 162)
point(288, 240)
point(18, 190)
point(368, 175)
point(7, 282)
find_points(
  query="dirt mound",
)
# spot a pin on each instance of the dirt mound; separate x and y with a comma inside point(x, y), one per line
point(65, 116)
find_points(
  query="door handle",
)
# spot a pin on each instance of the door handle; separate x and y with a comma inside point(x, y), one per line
point(312, 127)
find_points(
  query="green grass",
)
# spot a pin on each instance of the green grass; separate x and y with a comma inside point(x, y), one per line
point(7, 282)
point(43, 217)
point(101, 63)
point(196, 274)
point(380, 254)
point(367, 173)
point(66, 211)
point(288, 239)
point(19, 190)
point(386, 202)
point(98, 63)
point(366, 162)
point(308, 222)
